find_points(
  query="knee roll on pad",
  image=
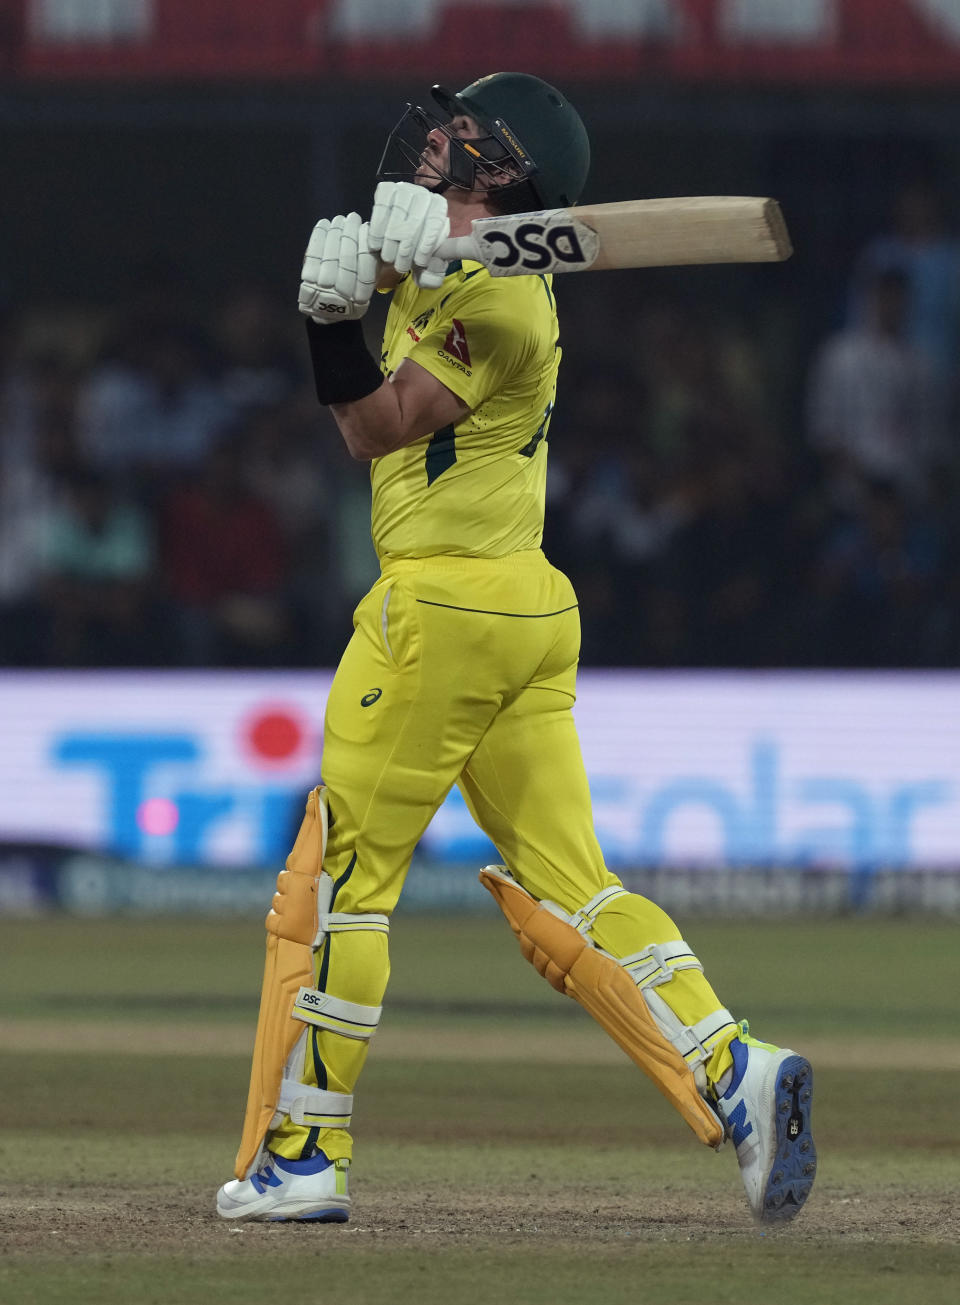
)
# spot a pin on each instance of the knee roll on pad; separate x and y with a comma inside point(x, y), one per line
point(617, 993)
point(297, 924)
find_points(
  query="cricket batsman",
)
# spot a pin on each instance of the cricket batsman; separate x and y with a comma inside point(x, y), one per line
point(461, 670)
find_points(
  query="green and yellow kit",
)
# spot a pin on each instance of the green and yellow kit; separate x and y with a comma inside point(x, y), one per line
point(462, 665)
point(475, 489)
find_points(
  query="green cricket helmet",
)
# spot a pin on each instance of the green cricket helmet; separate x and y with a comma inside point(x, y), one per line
point(533, 134)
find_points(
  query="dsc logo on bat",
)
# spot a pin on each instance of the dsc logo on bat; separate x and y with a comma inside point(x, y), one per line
point(552, 242)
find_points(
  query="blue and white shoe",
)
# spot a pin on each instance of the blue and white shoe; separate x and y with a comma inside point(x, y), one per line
point(284, 1189)
point(766, 1110)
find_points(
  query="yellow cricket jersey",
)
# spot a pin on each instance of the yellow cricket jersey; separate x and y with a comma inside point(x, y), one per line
point(476, 488)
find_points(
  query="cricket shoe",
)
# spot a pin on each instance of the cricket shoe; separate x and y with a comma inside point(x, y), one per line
point(766, 1109)
point(282, 1189)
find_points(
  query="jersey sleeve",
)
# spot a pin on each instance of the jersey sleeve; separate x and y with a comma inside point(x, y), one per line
point(477, 339)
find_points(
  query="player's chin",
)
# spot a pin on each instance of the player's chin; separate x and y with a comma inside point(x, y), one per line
point(428, 179)
point(429, 172)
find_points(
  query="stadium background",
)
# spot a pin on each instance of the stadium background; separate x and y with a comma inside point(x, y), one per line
point(781, 526)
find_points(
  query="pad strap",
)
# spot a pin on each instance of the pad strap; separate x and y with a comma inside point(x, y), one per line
point(696, 1043)
point(314, 1107)
point(657, 963)
point(324, 898)
point(342, 922)
point(348, 1018)
point(601, 985)
point(655, 966)
point(583, 919)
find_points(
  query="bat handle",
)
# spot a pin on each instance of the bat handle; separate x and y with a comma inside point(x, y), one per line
point(388, 278)
point(458, 247)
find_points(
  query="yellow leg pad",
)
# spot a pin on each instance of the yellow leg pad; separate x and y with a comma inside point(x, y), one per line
point(291, 929)
point(606, 991)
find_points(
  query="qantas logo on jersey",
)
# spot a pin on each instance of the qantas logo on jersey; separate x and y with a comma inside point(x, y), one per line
point(456, 344)
point(419, 324)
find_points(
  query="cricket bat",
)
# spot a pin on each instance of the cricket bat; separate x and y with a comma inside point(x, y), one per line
point(634, 233)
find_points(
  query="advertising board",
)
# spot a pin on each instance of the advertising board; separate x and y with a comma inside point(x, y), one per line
point(694, 769)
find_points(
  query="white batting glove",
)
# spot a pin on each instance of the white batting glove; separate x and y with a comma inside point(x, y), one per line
point(339, 271)
point(407, 226)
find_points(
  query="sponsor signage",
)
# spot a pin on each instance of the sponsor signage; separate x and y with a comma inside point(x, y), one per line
point(171, 770)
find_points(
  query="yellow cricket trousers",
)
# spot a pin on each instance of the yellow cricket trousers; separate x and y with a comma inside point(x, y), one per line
point(460, 671)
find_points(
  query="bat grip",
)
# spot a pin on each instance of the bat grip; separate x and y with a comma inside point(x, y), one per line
point(458, 247)
point(455, 248)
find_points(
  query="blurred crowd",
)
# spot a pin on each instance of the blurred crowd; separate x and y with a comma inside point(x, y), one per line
point(171, 495)
point(724, 490)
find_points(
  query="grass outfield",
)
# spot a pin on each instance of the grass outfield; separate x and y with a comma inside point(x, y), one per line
point(507, 1152)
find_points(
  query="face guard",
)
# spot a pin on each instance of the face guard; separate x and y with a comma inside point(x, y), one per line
point(407, 156)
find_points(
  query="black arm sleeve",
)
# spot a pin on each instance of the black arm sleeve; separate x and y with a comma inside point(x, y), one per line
point(343, 370)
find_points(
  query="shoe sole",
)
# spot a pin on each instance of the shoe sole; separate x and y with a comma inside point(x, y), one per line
point(794, 1165)
point(317, 1216)
point(297, 1212)
point(293, 1216)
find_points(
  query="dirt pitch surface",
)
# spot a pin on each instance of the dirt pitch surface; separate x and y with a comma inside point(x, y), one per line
point(111, 1223)
point(400, 1216)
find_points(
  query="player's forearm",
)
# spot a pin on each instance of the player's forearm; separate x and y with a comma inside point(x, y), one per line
point(402, 410)
point(350, 383)
point(376, 416)
point(366, 408)
point(373, 425)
